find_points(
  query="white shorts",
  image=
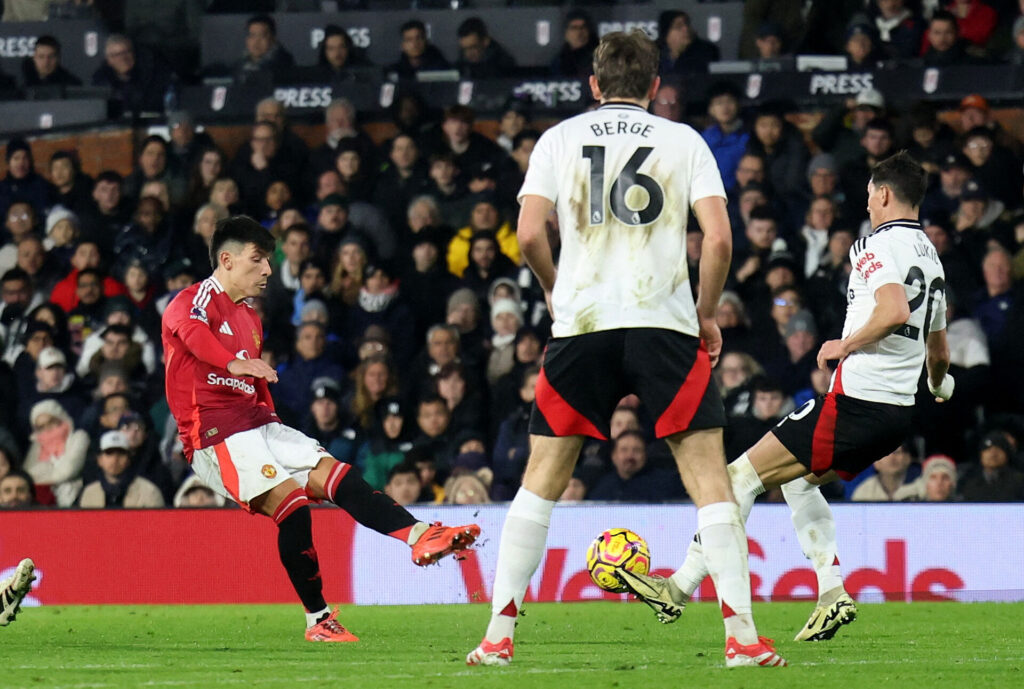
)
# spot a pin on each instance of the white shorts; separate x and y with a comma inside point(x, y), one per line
point(249, 463)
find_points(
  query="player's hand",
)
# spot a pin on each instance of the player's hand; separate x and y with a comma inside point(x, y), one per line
point(712, 337)
point(253, 368)
point(749, 267)
point(832, 350)
point(944, 390)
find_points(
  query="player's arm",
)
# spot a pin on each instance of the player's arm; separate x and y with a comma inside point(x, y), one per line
point(715, 258)
point(940, 383)
point(204, 345)
point(891, 311)
point(533, 239)
point(263, 393)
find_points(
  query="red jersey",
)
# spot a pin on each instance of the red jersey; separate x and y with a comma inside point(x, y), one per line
point(202, 331)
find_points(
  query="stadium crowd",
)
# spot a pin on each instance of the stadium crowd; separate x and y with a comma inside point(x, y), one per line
point(407, 330)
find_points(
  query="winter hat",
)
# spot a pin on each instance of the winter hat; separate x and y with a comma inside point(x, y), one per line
point(58, 213)
point(50, 408)
point(506, 306)
point(939, 463)
point(463, 296)
point(822, 160)
point(517, 292)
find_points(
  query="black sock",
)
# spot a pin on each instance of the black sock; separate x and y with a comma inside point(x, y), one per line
point(370, 507)
point(295, 544)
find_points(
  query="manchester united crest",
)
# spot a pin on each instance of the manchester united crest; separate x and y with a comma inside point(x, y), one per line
point(256, 339)
point(269, 471)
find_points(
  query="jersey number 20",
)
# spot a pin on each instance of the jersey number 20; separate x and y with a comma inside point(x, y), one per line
point(926, 295)
point(628, 178)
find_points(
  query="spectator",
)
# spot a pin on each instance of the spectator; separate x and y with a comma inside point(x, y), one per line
point(296, 243)
point(138, 81)
point(811, 245)
point(767, 407)
point(876, 145)
point(726, 136)
point(187, 144)
point(979, 219)
point(61, 237)
point(16, 491)
point(403, 484)
point(264, 56)
point(733, 375)
point(769, 41)
point(1016, 54)
point(682, 50)
point(943, 45)
point(72, 187)
point(512, 446)
point(472, 150)
point(10, 455)
point(576, 56)
point(109, 213)
point(515, 119)
point(22, 182)
point(668, 102)
point(44, 67)
point(826, 289)
point(118, 346)
point(995, 479)
point(433, 419)
point(788, 17)
point(145, 453)
point(373, 380)
point(931, 140)
point(506, 320)
point(793, 368)
point(337, 56)
point(326, 423)
point(861, 47)
point(633, 480)
point(465, 403)
point(997, 298)
point(993, 166)
point(893, 481)
point(56, 455)
point(404, 177)
point(209, 165)
point(340, 124)
point(357, 182)
point(975, 20)
point(388, 442)
point(54, 382)
point(117, 310)
point(484, 217)
point(197, 244)
point(155, 165)
point(486, 264)
point(148, 239)
point(938, 479)
point(418, 54)
point(194, 493)
point(480, 56)
point(20, 224)
point(899, 29)
point(943, 199)
point(118, 486)
point(842, 140)
point(468, 489)
point(783, 149)
point(265, 163)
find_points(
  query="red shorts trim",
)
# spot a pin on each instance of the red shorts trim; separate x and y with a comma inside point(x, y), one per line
point(560, 415)
point(684, 405)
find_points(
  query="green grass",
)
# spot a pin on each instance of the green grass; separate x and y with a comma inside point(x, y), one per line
point(594, 645)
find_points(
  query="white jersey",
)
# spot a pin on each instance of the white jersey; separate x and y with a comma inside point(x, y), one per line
point(623, 182)
point(888, 371)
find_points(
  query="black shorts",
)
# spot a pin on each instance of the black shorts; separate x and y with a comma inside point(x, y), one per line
point(843, 433)
point(585, 376)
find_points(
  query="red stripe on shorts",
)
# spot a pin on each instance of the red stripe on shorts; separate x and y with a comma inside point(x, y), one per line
point(228, 472)
point(823, 446)
point(679, 414)
point(560, 415)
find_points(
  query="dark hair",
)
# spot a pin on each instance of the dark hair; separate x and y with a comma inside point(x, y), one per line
point(980, 130)
point(765, 384)
point(723, 88)
point(239, 229)
point(118, 329)
point(525, 135)
point(625, 64)
point(432, 399)
point(298, 227)
point(880, 123)
point(110, 176)
point(330, 31)
point(153, 139)
point(945, 16)
point(413, 24)
point(665, 21)
point(313, 263)
point(20, 473)
point(69, 155)
point(904, 176)
point(459, 112)
point(264, 19)
point(527, 371)
point(473, 25)
point(49, 41)
point(16, 273)
point(403, 467)
point(630, 433)
point(95, 272)
point(763, 212)
point(782, 289)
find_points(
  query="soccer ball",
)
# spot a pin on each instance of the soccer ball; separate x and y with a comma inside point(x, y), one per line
point(617, 548)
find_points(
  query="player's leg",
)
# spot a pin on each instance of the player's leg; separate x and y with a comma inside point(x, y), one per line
point(343, 485)
point(700, 456)
point(14, 589)
point(816, 531)
point(523, 538)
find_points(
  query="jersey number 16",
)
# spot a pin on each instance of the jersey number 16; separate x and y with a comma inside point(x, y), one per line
point(629, 177)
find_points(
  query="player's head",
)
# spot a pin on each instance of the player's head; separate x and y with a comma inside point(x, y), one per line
point(240, 252)
point(625, 66)
point(896, 188)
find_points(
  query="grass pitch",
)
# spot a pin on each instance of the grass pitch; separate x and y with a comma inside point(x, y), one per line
point(593, 645)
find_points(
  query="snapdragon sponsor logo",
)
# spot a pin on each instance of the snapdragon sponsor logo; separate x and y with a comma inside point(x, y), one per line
point(236, 383)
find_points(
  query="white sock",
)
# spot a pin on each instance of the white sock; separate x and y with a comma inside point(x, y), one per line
point(313, 617)
point(416, 531)
point(816, 531)
point(522, 545)
point(746, 486)
point(724, 543)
